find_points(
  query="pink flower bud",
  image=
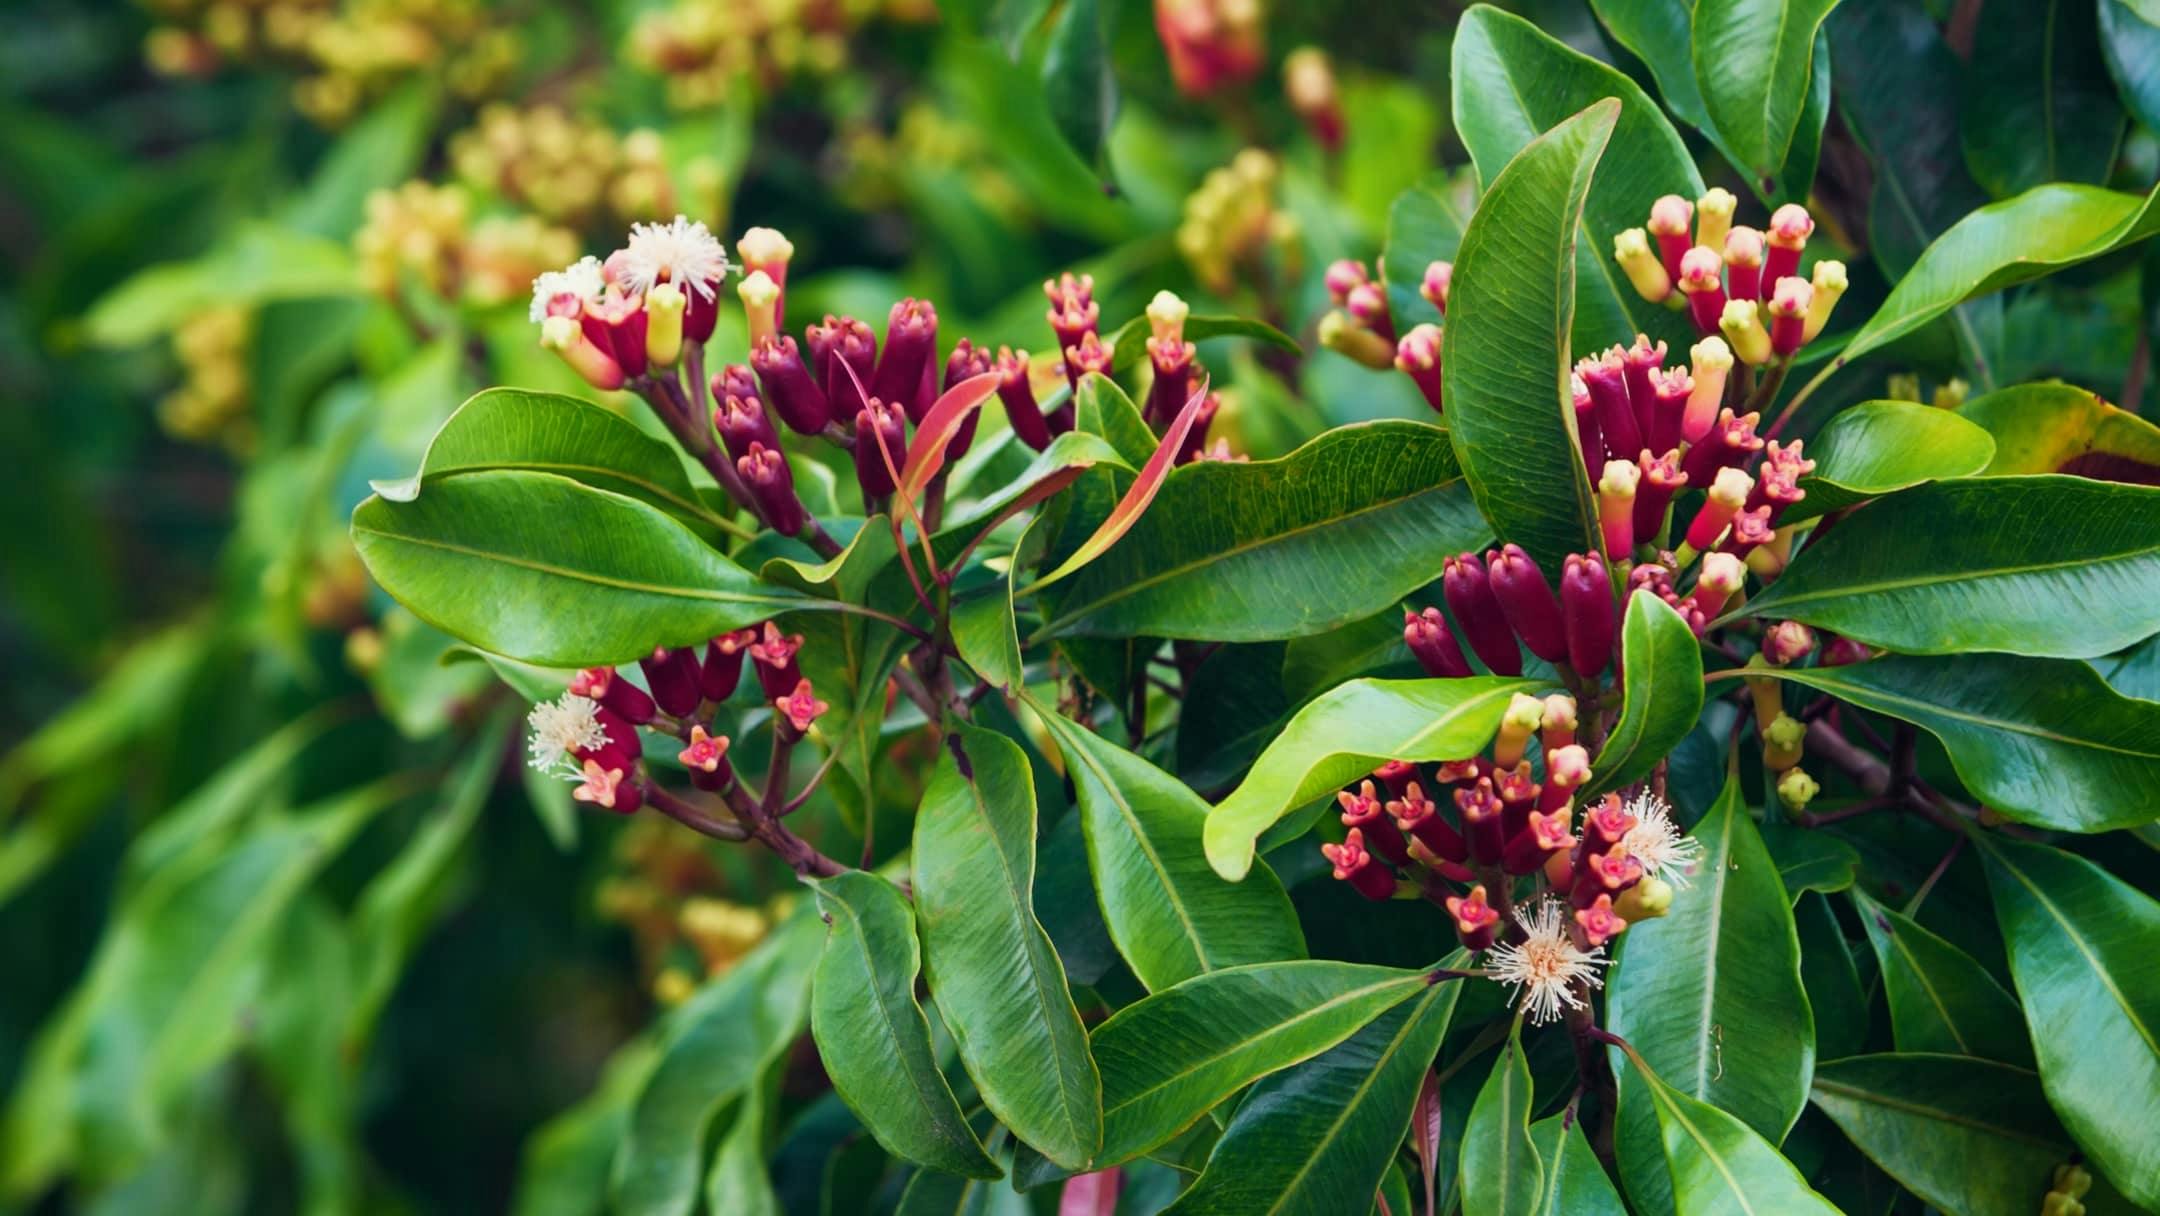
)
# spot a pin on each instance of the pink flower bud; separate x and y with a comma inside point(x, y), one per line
point(1669, 218)
point(880, 447)
point(1789, 303)
point(1396, 776)
point(1722, 575)
point(1343, 276)
point(1481, 813)
point(1605, 874)
point(1606, 377)
point(1368, 302)
point(1750, 528)
point(740, 420)
point(1661, 479)
point(1021, 413)
point(1558, 731)
point(772, 486)
point(1429, 639)
point(1731, 442)
point(1415, 815)
point(1728, 493)
point(1670, 389)
point(1702, 282)
point(1173, 363)
point(608, 789)
point(773, 654)
point(786, 382)
point(634, 704)
point(723, 664)
point(1638, 364)
point(673, 677)
point(1364, 811)
point(1787, 642)
point(1744, 263)
point(1474, 919)
point(1790, 227)
point(1712, 361)
point(800, 707)
point(1586, 607)
point(1434, 287)
point(1355, 866)
point(1588, 434)
point(1598, 922)
point(1843, 651)
point(706, 760)
point(1195, 444)
point(1089, 355)
point(1528, 602)
point(1616, 508)
point(1418, 355)
point(616, 323)
point(910, 346)
point(1470, 600)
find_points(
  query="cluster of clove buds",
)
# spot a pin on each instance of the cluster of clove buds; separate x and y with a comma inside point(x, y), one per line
point(1737, 281)
point(1362, 325)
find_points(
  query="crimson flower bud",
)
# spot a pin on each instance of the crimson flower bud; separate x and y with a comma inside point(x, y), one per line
point(1586, 607)
point(1722, 575)
point(614, 692)
point(1480, 811)
point(1196, 435)
point(1750, 529)
point(1396, 776)
point(1589, 436)
point(1843, 651)
point(1474, 919)
point(706, 760)
point(1661, 479)
point(1172, 359)
point(1599, 923)
point(880, 433)
point(1416, 816)
point(609, 789)
point(1606, 377)
point(1616, 508)
point(1470, 599)
point(1743, 264)
point(1073, 315)
point(1567, 766)
point(616, 323)
point(838, 346)
point(968, 361)
point(1607, 824)
point(1528, 601)
point(1368, 302)
point(773, 654)
point(1669, 218)
point(1607, 873)
point(1787, 642)
point(1364, 811)
point(1356, 866)
point(623, 748)
point(787, 384)
point(1557, 730)
point(1728, 493)
point(1434, 287)
point(772, 485)
point(1540, 837)
point(1638, 364)
point(741, 421)
point(1428, 637)
point(1518, 792)
point(1789, 304)
point(1731, 442)
point(910, 345)
point(1418, 355)
point(1670, 389)
point(723, 664)
point(1702, 281)
point(673, 677)
point(1021, 413)
point(1790, 227)
point(798, 709)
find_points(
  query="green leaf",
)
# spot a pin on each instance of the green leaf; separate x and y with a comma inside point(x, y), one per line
point(2130, 36)
point(1808, 860)
point(1169, 1059)
point(1575, 1182)
point(260, 263)
point(1133, 504)
point(2043, 741)
point(2037, 106)
point(563, 1169)
point(1230, 551)
point(1718, 1164)
point(378, 152)
point(1710, 993)
point(1831, 979)
point(1877, 447)
point(2056, 428)
point(2053, 566)
point(1128, 346)
point(512, 428)
point(1974, 1137)
point(1318, 1137)
point(1661, 700)
point(1659, 32)
point(1512, 81)
point(998, 983)
point(1501, 1171)
point(874, 1038)
point(1754, 66)
point(1077, 80)
point(717, 1045)
point(1940, 999)
point(739, 1182)
point(2001, 245)
point(1506, 352)
point(1171, 916)
point(1796, 181)
point(544, 570)
point(2080, 943)
point(1425, 225)
point(1344, 734)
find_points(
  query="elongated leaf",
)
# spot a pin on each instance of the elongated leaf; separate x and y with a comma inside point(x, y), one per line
point(873, 1037)
point(1796, 181)
point(1710, 993)
point(1128, 346)
point(2037, 104)
point(1877, 447)
point(1831, 979)
point(999, 984)
point(1970, 1136)
point(1662, 697)
point(2059, 567)
point(1171, 916)
point(1718, 1164)
point(1317, 1138)
point(1135, 501)
point(1575, 1183)
point(2080, 943)
point(1077, 80)
point(2130, 37)
point(1809, 860)
point(1512, 81)
point(1506, 351)
point(544, 570)
point(1169, 1059)
point(2003, 244)
point(1344, 734)
point(1940, 999)
point(1334, 532)
point(1754, 63)
point(2044, 741)
point(1660, 32)
point(1425, 225)
point(739, 1182)
point(718, 1044)
point(1501, 1171)
point(2056, 428)
point(563, 1170)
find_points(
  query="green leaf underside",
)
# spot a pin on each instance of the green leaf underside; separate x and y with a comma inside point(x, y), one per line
point(1876, 447)
point(545, 570)
point(1575, 1181)
point(1754, 65)
point(1719, 1165)
point(2044, 741)
point(999, 984)
point(1661, 699)
point(1344, 734)
point(1501, 1170)
point(1331, 533)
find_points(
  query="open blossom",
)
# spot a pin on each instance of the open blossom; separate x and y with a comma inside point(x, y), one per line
point(1656, 842)
point(561, 729)
point(1544, 966)
point(683, 252)
point(564, 292)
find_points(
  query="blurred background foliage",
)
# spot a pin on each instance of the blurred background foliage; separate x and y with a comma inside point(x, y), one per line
point(284, 927)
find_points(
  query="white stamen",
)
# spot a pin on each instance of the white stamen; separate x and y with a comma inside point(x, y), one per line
point(1656, 842)
point(1544, 967)
point(560, 729)
point(580, 279)
point(684, 253)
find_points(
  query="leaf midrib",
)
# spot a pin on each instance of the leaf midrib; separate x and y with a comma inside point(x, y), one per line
point(2016, 728)
point(1771, 600)
point(1351, 1104)
point(2107, 980)
point(586, 576)
point(886, 1014)
point(1909, 1106)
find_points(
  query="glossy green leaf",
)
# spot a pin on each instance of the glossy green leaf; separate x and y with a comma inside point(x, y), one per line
point(2037, 104)
point(1575, 1182)
point(1940, 999)
point(1128, 346)
point(1974, 1137)
point(1169, 1059)
point(874, 1038)
point(2058, 567)
point(1231, 551)
point(1831, 979)
point(1316, 1139)
point(717, 1045)
point(2001, 245)
point(1502, 1174)
point(1718, 1164)
point(1425, 225)
point(1710, 993)
point(1344, 734)
point(998, 983)
point(545, 570)
point(739, 1182)
point(1171, 916)
point(1659, 32)
point(2058, 428)
point(1661, 698)
point(2130, 38)
point(1796, 181)
point(1877, 447)
point(1506, 351)
point(1808, 860)
point(2080, 942)
point(1754, 65)
point(1512, 81)
point(2043, 741)
point(1077, 79)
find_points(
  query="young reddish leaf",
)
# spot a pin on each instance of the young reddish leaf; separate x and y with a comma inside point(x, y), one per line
point(1136, 500)
point(1425, 1120)
point(927, 454)
point(1093, 1194)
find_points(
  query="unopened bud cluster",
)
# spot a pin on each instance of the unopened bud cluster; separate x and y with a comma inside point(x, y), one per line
point(1362, 325)
point(573, 170)
point(703, 48)
point(1235, 231)
point(1212, 45)
point(425, 237)
point(211, 405)
point(1739, 282)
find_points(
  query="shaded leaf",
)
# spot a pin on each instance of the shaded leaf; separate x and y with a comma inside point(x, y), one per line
point(1661, 698)
point(1575, 1183)
point(1719, 1164)
point(2056, 428)
point(2037, 107)
point(1968, 1136)
point(1940, 999)
point(1501, 1171)
point(1876, 447)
